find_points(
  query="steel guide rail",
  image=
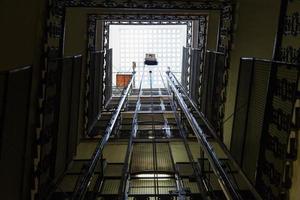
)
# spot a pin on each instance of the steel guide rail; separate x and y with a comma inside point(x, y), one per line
point(201, 183)
point(209, 127)
point(155, 165)
point(123, 194)
point(84, 181)
point(225, 183)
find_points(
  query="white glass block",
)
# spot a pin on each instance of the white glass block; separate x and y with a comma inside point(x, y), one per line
point(131, 43)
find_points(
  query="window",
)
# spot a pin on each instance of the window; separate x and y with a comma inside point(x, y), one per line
point(130, 43)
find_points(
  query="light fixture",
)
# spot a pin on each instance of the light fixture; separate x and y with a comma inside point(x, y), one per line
point(153, 176)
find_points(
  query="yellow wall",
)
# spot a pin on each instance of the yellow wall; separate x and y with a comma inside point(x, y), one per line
point(21, 44)
point(213, 30)
point(21, 40)
point(21, 23)
point(75, 31)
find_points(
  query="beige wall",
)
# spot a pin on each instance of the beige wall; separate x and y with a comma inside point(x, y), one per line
point(21, 44)
point(21, 33)
point(21, 39)
point(254, 36)
point(75, 43)
point(213, 30)
point(75, 32)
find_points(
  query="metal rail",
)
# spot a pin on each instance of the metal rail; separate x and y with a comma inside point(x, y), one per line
point(225, 183)
point(211, 130)
point(155, 167)
point(84, 181)
point(201, 183)
point(125, 171)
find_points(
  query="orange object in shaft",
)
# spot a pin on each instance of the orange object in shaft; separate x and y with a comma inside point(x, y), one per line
point(123, 79)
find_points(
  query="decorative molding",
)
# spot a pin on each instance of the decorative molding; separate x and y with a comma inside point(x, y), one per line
point(224, 46)
point(128, 20)
point(201, 44)
point(289, 55)
point(147, 4)
point(292, 24)
point(277, 133)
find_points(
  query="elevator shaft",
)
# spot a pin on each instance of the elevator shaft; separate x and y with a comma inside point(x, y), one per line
point(155, 122)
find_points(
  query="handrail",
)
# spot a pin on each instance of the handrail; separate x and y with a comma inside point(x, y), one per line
point(217, 139)
point(81, 187)
point(225, 183)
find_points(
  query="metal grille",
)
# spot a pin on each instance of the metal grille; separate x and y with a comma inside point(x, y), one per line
point(148, 186)
point(276, 156)
point(264, 109)
point(250, 109)
point(143, 161)
point(212, 95)
point(110, 186)
point(257, 103)
point(192, 186)
point(60, 116)
point(164, 160)
point(142, 158)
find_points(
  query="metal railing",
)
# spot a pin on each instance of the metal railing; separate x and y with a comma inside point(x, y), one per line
point(83, 183)
point(229, 188)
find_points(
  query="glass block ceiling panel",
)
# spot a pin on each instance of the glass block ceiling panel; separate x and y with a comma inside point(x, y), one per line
point(130, 43)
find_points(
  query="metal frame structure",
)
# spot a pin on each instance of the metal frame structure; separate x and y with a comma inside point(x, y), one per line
point(202, 184)
point(202, 132)
point(140, 20)
point(228, 187)
point(225, 183)
point(82, 185)
point(54, 38)
point(144, 20)
point(125, 171)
